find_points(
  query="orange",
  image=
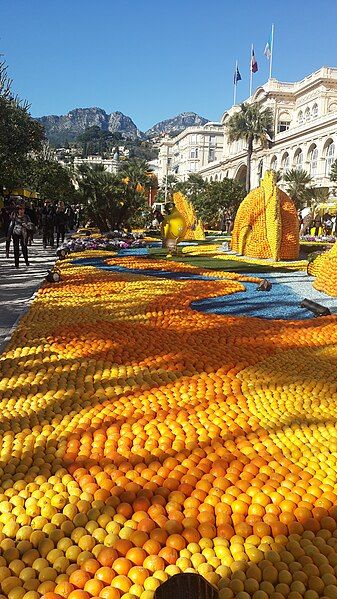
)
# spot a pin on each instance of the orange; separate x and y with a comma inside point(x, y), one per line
point(122, 565)
point(78, 578)
point(107, 556)
point(105, 574)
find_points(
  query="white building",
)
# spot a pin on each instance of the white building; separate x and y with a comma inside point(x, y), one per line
point(109, 164)
point(192, 150)
point(305, 135)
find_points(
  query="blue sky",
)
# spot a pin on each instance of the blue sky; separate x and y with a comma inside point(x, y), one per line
point(152, 59)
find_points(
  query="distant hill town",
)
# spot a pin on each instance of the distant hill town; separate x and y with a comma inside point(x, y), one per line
point(66, 128)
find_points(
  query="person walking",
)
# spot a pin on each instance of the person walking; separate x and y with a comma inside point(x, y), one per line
point(48, 223)
point(61, 223)
point(17, 230)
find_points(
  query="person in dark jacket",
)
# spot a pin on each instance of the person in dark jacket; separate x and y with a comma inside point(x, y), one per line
point(18, 228)
point(61, 223)
point(48, 224)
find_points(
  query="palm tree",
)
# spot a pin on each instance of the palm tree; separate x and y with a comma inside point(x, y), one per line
point(298, 186)
point(136, 171)
point(252, 124)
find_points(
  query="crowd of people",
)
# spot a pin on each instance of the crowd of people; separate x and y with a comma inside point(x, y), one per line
point(323, 224)
point(22, 220)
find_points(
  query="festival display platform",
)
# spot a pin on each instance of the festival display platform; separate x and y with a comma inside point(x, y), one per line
point(143, 436)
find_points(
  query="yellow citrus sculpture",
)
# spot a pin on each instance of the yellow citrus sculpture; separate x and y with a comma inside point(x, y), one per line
point(324, 268)
point(266, 223)
point(173, 229)
point(195, 229)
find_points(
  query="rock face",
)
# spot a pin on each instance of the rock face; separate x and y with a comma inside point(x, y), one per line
point(177, 124)
point(119, 123)
point(60, 129)
point(65, 128)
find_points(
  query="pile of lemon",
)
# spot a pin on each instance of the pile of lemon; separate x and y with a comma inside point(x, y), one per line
point(140, 439)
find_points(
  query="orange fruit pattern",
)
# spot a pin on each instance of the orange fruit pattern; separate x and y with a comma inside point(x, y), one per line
point(140, 439)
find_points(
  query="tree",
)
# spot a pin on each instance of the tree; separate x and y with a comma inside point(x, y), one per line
point(333, 172)
point(50, 179)
point(214, 197)
point(109, 200)
point(20, 134)
point(298, 186)
point(252, 124)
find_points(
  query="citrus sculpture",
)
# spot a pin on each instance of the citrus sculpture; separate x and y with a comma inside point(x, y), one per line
point(195, 228)
point(266, 223)
point(173, 229)
point(324, 268)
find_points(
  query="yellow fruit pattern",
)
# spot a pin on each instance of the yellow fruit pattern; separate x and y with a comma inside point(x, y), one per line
point(195, 226)
point(266, 223)
point(140, 439)
point(324, 268)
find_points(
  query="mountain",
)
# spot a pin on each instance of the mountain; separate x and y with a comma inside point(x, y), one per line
point(177, 124)
point(65, 128)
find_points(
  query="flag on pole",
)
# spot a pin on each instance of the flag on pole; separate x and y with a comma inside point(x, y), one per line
point(268, 48)
point(237, 76)
point(253, 65)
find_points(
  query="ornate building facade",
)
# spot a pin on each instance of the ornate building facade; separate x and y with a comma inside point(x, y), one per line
point(305, 136)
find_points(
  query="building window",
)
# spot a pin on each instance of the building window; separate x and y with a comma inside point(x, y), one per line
point(307, 114)
point(212, 140)
point(192, 167)
point(299, 160)
point(260, 170)
point(211, 154)
point(285, 162)
point(330, 158)
point(313, 162)
point(314, 111)
point(193, 140)
point(283, 126)
point(273, 164)
point(194, 153)
point(300, 117)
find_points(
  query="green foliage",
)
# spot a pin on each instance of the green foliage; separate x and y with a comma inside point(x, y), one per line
point(210, 198)
point(110, 201)
point(20, 134)
point(253, 124)
point(333, 172)
point(50, 179)
point(95, 140)
point(298, 186)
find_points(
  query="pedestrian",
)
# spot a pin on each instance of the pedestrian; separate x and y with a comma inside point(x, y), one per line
point(31, 213)
point(60, 222)
point(18, 228)
point(317, 224)
point(48, 223)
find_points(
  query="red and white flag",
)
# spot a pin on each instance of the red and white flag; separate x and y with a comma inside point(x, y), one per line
point(253, 65)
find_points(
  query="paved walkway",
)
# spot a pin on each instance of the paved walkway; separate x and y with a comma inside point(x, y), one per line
point(17, 286)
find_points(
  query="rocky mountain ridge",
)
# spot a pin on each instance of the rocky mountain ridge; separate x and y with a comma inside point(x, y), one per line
point(66, 128)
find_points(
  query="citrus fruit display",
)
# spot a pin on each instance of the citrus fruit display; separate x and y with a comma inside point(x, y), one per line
point(141, 439)
point(266, 223)
point(324, 268)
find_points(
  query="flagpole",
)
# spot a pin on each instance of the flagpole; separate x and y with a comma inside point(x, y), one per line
point(271, 51)
point(235, 82)
point(251, 73)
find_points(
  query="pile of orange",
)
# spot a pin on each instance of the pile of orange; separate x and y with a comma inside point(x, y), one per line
point(140, 439)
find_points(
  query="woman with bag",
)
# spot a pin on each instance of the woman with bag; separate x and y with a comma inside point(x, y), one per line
point(18, 230)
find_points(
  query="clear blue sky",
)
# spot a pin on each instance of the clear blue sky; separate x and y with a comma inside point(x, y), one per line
point(152, 59)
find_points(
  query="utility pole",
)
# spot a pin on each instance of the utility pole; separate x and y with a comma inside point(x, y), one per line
point(167, 159)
